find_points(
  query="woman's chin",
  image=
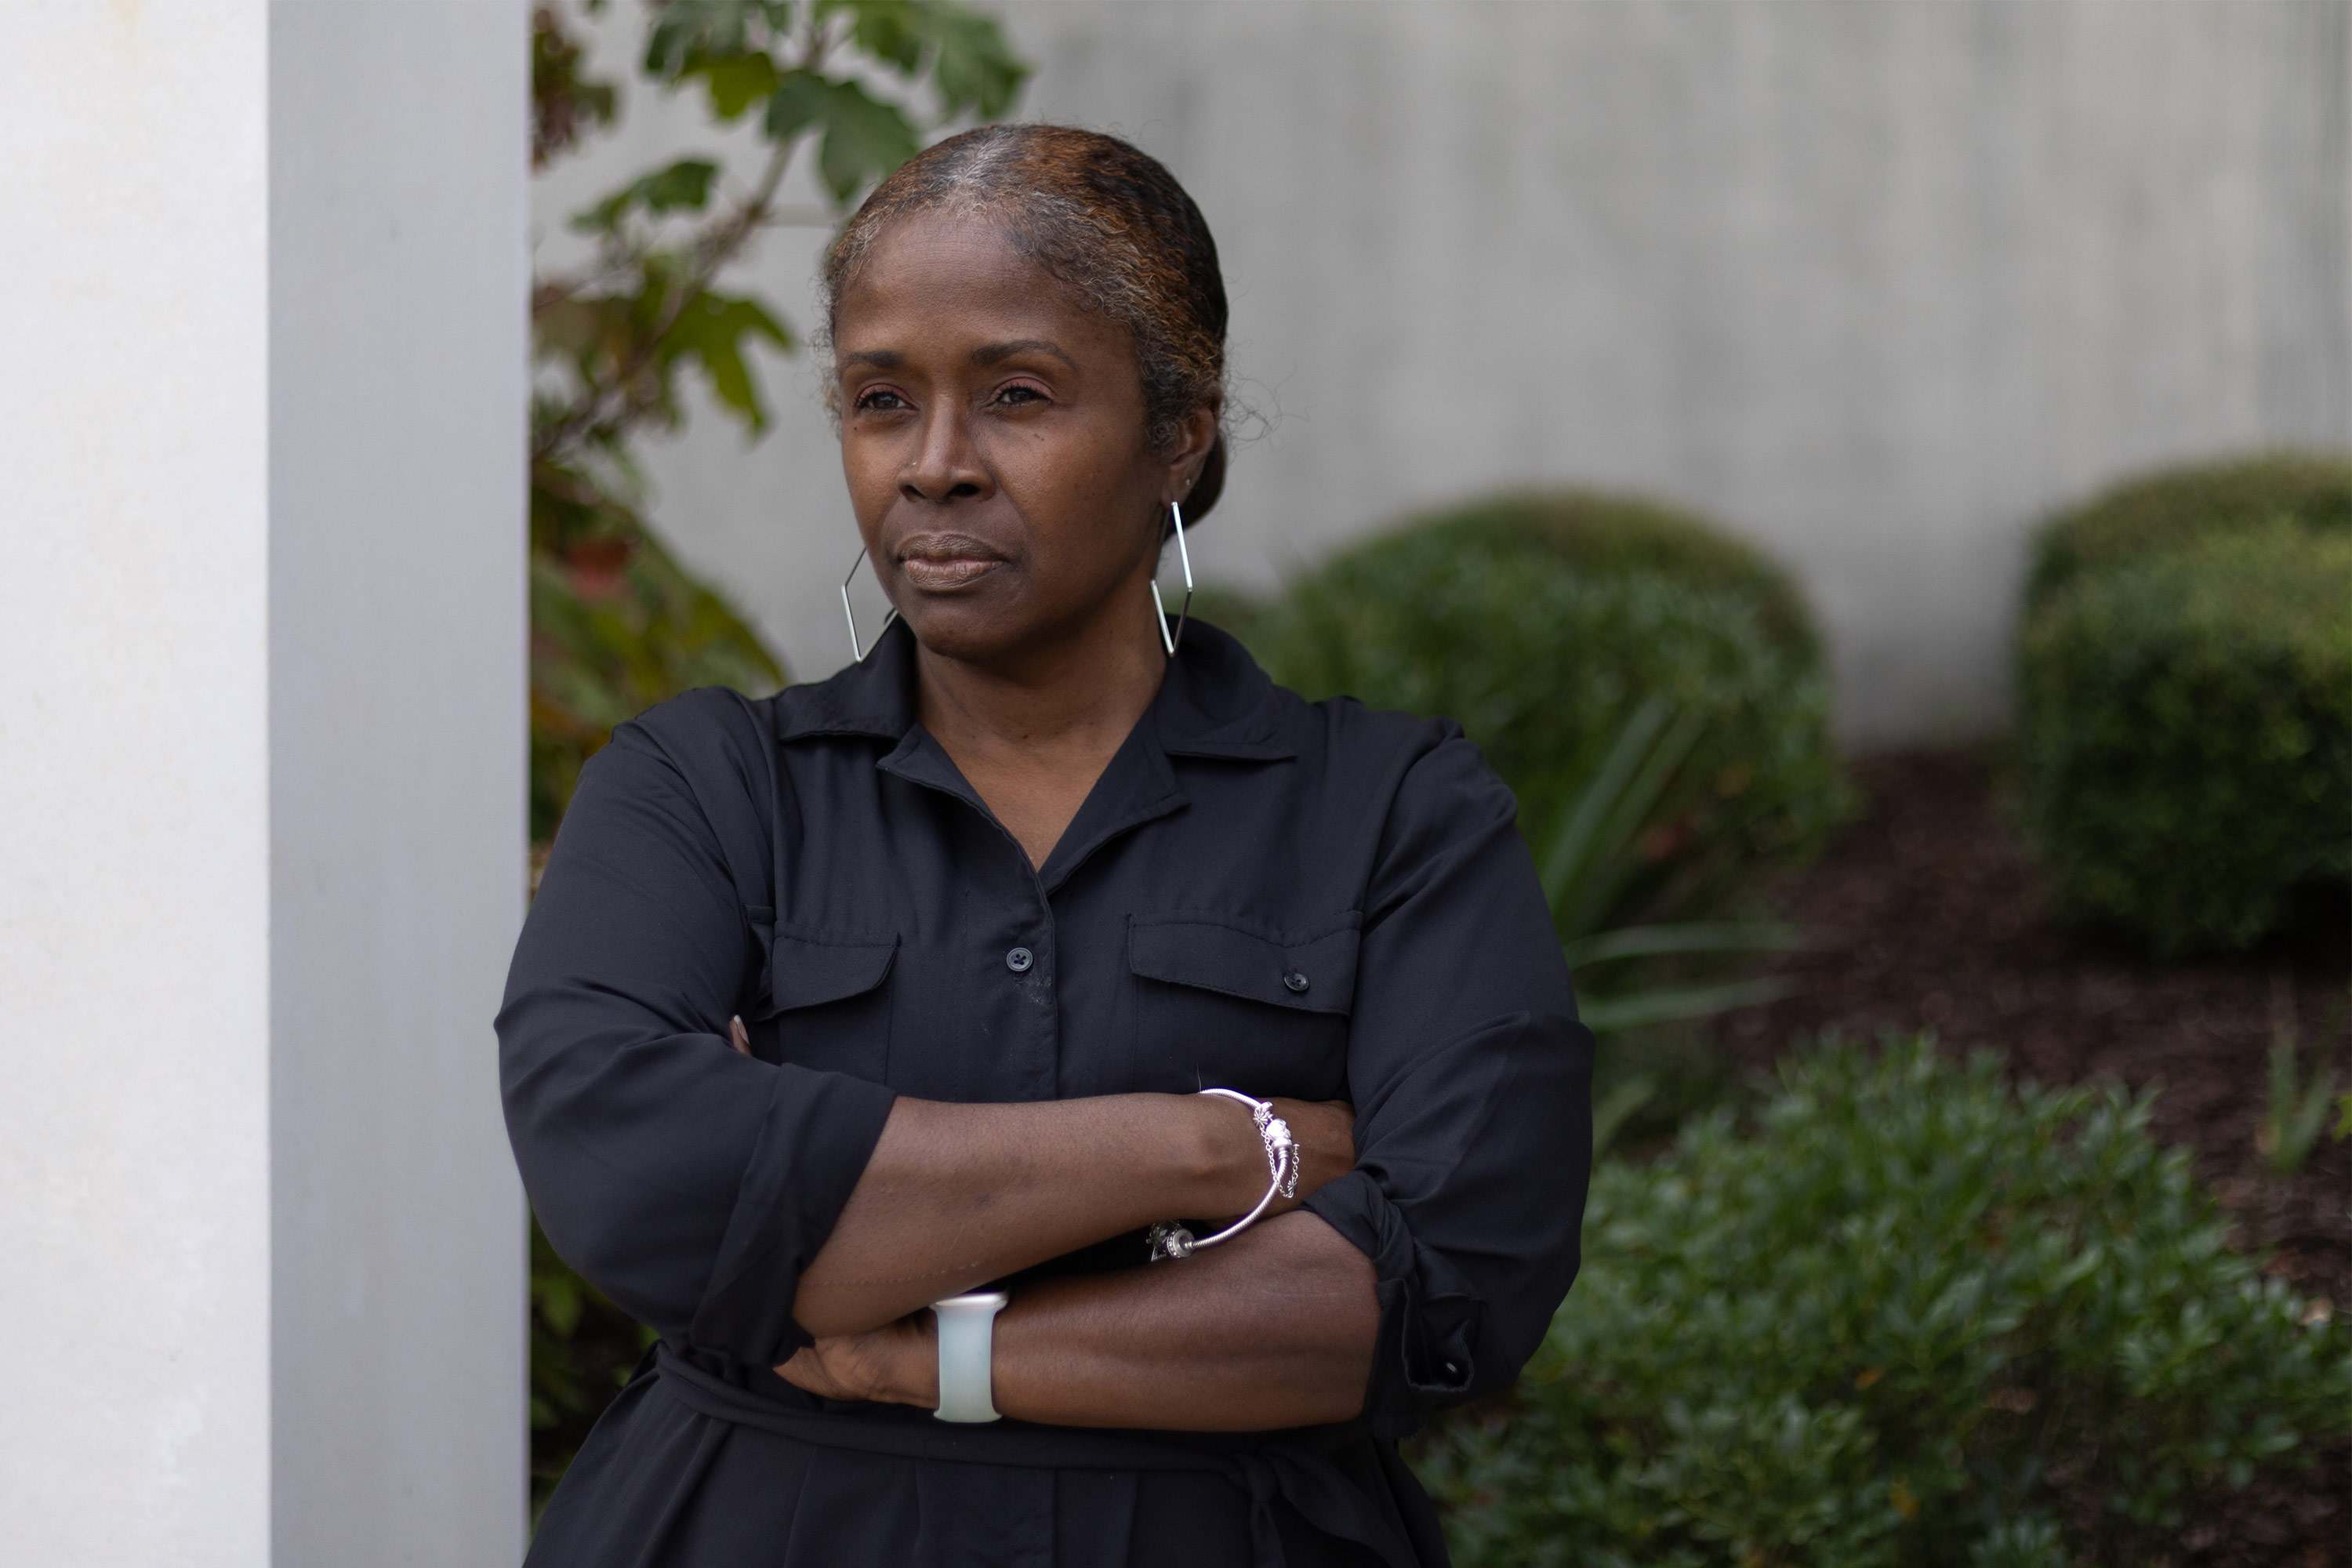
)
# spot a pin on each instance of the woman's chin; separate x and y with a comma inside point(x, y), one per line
point(966, 627)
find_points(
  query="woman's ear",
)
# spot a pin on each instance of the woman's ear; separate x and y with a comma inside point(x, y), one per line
point(1197, 467)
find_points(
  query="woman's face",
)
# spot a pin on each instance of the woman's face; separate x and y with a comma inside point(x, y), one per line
point(992, 434)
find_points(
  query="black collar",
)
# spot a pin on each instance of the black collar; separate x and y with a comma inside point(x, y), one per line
point(1214, 702)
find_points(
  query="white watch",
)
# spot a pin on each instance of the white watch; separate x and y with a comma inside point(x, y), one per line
point(967, 1335)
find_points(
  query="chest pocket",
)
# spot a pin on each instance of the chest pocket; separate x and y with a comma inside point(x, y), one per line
point(1226, 1002)
point(829, 1002)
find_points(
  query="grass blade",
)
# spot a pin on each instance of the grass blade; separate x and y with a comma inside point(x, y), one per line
point(1607, 1014)
point(1651, 942)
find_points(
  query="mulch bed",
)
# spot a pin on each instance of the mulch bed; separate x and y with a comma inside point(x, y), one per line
point(1927, 914)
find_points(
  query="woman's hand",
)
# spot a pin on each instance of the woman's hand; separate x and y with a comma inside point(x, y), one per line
point(898, 1363)
point(1322, 1132)
point(1325, 1133)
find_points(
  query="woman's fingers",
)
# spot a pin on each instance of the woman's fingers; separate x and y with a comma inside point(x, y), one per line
point(893, 1363)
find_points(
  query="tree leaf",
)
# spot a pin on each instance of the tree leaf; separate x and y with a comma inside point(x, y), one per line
point(974, 68)
point(797, 103)
point(711, 330)
point(891, 31)
point(682, 186)
point(864, 138)
point(685, 34)
point(737, 82)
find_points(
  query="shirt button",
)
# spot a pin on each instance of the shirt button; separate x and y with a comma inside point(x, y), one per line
point(1019, 960)
point(1296, 982)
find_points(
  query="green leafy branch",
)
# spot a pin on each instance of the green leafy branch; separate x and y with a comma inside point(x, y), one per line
point(647, 306)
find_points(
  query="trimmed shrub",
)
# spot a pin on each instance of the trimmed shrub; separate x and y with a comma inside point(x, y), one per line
point(1597, 535)
point(1910, 1318)
point(1542, 625)
point(2186, 734)
point(2179, 506)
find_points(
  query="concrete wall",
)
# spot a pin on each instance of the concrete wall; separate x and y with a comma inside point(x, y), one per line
point(261, 768)
point(1874, 283)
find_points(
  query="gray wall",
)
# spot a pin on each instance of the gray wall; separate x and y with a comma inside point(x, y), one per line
point(262, 775)
point(1874, 283)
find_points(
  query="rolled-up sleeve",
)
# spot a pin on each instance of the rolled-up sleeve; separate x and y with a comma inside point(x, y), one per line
point(1472, 1080)
point(690, 1184)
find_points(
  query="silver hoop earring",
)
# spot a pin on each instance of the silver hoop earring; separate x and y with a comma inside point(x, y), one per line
point(851, 615)
point(1167, 639)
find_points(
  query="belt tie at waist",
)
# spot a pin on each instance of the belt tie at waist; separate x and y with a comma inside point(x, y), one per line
point(1290, 1469)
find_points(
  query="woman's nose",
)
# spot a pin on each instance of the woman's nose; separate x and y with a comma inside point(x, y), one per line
point(946, 465)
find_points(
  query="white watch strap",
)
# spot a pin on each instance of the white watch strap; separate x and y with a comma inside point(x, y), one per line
point(967, 1335)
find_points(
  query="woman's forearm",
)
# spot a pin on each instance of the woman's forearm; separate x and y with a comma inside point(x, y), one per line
point(957, 1195)
point(1275, 1329)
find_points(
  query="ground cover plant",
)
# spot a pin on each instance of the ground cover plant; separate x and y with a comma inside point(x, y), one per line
point(1543, 625)
point(1927, 912)
point(1909, 1314)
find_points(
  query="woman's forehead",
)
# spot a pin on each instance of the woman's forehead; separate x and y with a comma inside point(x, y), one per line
point(936, 279)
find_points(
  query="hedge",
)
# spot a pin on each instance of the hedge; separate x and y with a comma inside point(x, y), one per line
point(1541, 622)
point(1913, 1316)
point(2185, 735)
point(2179, 506)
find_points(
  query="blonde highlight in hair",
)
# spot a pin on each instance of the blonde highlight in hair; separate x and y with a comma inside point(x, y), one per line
point(1109, 222)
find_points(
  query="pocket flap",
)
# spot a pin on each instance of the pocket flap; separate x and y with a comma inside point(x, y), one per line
point(805, 970)
point(1312, 973)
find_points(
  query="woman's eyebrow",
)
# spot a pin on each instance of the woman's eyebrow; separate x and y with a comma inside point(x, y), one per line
point(993, 353)
point(880, 359)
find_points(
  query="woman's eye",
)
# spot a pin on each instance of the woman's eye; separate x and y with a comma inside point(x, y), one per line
point(880, 400)
point(1020, 394)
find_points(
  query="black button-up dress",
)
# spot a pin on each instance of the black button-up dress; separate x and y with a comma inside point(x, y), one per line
point(1288, 898)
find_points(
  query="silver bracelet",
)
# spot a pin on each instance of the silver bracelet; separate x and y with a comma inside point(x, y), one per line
point(1168, 1238)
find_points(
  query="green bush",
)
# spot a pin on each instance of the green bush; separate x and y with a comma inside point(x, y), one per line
point(1543, 625)
point(1910, 1318)
point(2185, 734)
point(2179, 506)
point(1597, 535)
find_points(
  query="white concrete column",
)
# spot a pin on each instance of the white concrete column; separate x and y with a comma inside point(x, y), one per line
point(262, 358)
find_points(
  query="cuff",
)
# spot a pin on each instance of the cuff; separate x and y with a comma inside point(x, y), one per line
point(1427, 1356)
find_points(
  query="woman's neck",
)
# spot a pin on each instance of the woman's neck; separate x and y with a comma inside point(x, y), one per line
point(1031, 735)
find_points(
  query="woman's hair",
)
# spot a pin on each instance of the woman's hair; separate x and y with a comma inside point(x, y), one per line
point(1110, 223)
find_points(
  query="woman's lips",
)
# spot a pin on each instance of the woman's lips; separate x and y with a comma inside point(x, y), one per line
point(940, 562)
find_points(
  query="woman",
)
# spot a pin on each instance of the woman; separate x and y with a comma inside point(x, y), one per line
point(982, 916)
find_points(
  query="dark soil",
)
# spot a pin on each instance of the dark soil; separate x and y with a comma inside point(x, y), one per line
point(1927, 914)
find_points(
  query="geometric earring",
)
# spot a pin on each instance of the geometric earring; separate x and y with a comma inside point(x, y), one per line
point(1167, 639)
point(851, 615)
